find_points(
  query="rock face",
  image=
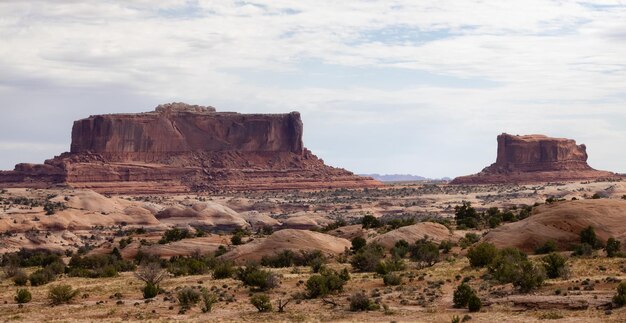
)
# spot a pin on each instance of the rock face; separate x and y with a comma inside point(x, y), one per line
point(562, 222)
point(183, 148)
point(536, 158)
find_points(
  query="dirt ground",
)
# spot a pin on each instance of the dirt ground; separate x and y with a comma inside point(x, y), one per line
point(425, 294)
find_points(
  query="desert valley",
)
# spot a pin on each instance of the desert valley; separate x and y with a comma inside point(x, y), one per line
point(188, 214)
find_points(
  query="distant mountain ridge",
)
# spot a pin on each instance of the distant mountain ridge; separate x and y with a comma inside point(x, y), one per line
point(401, 177)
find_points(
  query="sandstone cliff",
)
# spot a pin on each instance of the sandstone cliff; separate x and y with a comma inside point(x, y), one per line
point(536, 158)
point(180, 148)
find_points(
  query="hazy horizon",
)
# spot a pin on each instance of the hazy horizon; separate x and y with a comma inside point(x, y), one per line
point(387, 87)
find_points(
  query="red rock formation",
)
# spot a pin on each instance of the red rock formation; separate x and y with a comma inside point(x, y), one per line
point(181, 148)
point(536, 158)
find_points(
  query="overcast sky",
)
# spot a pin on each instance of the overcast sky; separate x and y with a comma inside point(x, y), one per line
point(421, 87)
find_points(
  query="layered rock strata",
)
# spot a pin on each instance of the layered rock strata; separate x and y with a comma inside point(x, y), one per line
point(184, 148)
point(536, 158)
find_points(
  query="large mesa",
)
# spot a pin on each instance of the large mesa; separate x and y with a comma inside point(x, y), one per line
point(180, 148)
point(536, 158)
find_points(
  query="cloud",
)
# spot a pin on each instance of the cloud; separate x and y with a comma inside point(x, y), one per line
point(436, 79)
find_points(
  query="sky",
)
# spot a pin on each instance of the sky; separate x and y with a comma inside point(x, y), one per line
point(395, 86)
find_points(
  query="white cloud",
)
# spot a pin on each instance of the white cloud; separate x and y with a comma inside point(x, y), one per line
point(549, 66)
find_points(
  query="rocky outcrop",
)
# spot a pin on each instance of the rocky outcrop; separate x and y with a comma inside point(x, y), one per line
point(536, 158)
point(182, 148)
point(562, 223)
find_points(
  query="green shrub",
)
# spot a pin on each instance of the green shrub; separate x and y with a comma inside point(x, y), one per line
point(31, 258)
point(360, 302)
point(23, 296)
point(469, 239)
point(620, 298)
point(20, 278)
point(425, 252)
point(175, 234)
point(208, 300)
point(482, 255)
point(358, 243)
point(41, 277)
point(236, 240)
point(187, 298)
point(461, 295)
point(530, 277)
point(327, 282)
point(61, 294)
point(288, 258)
point(392, 280)
point(465, 215)
point(400, 249)
point(555, 265)
point(223, 270)
point(390, 265)
point(446, 245)
point(366, 259)
point(548, 247)
point(192, 265)
point(98, 266)
point(261, 302)
point(369, 221)
point(583, 249)
point(474, 304)
point(613, 247)
point(150, 291)
point(258, 278)
point(512, 266)
point(588, 236)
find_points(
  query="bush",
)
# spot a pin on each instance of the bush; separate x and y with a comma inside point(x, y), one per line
point(370, 221)
point(465, 215)
point(446, 245)
point(367, 258)
point(588, 236)
point(474, 304)
point(392, 280)
point(61, 294)
point(530, 278)
point(360, 302)
point(462, 295)
point(482, 255)
point(425, 252)
point(288, 258)
point(513, 266)
point(253, 276)
point(187, 298)
point(41, 277)
point(400, 249)
point(584, 249)
point(175, 234)
point(358, 243)
point(236, 240)
point(548, 247)
point(390, 265)
point(261, 302)
point(31, 258)
point(150, 291)
point(98, 266)
point(20, 278)
point(223, 270)
point(192, 265)
point(208, 300)
point(469, 239)
point(329, 281)
point(620, 298)
point(613, 247)
point(23, 296)
point(555, 265)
